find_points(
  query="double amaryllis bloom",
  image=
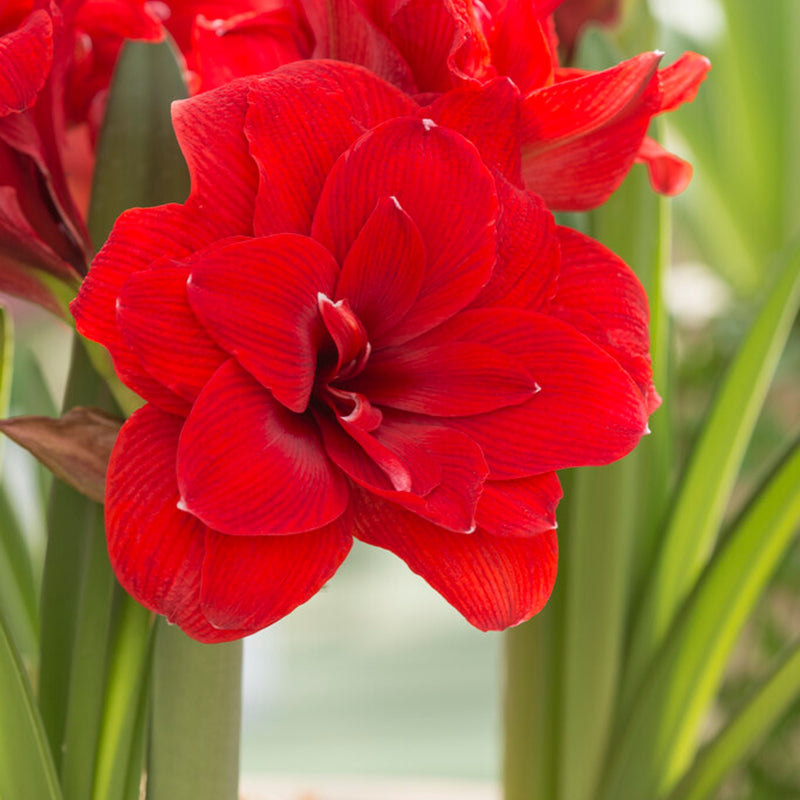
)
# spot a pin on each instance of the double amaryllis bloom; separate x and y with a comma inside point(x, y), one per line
point(359, 324)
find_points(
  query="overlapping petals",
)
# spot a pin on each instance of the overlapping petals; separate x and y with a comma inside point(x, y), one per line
point(582, 131)
point(362, 329)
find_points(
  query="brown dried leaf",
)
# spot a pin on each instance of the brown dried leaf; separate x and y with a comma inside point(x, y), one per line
point(75, 447)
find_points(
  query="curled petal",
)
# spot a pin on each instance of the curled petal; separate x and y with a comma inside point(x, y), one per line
point(248, 466)
point(680, 81)
point(493, 581)
point(668, 174)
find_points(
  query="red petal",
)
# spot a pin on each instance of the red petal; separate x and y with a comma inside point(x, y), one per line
point(302, 117)
point(140, 236)
point(441, 41)
point(521, 507)
point(520, 46)
point(681, 80)
point(156, 322)
point(588, 411)
point(528, 258)
point(248, 466)
point(247, 44)
point(224, 177)
point(26, 55)
point(155, 549)
point(438, 178)
point(344, 32)
point(493, 581)
point(619, 322)
point(668, 174)
point(383, 270)
point(252, 581)
point(478, 113)
point(451, 380)
point(258, 300)
point(580, 136)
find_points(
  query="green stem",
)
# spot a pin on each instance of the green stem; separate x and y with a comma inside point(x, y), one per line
point(533, 693)
point(196, 718)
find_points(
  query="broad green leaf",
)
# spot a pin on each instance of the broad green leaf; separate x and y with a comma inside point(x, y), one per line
point(26, 766)
point(138, 159)
point(702, 498)
point(764, 709)
point(657, 741)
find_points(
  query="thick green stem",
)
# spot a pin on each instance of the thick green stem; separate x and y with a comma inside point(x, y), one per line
point(196, 718)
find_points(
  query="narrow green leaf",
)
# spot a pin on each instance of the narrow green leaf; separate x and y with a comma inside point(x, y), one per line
point(138, 159)
point(765, 708)
point(659, 737)
point(121, 746)
point(17, 584)
point(26, 766)
point(196, 717)
point(71, 517)
point(698, 510)
point(87, 677)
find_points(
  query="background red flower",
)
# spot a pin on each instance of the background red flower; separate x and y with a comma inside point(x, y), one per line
point(357, 324)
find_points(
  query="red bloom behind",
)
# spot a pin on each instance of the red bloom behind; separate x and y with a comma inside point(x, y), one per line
point(357, 325)
point(582, 131)
point(226, 39)
point(55, 60)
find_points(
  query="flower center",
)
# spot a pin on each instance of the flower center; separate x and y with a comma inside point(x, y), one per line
point(344, 361)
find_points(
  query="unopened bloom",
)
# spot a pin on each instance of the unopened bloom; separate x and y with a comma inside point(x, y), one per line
point(358, 324)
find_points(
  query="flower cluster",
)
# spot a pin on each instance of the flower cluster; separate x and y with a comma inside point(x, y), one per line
point(364, 321)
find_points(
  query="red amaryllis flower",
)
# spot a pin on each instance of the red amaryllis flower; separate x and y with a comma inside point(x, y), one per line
point(355, 326)
point(54, 61)
point(581, 132)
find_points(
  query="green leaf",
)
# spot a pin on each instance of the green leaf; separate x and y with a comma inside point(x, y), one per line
point(708, 481)
point(26, 766)
point(17, 584)
point(771, 700)
point(120, 751)
point(71, 517)
point(138, 159)
point(659, 738)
